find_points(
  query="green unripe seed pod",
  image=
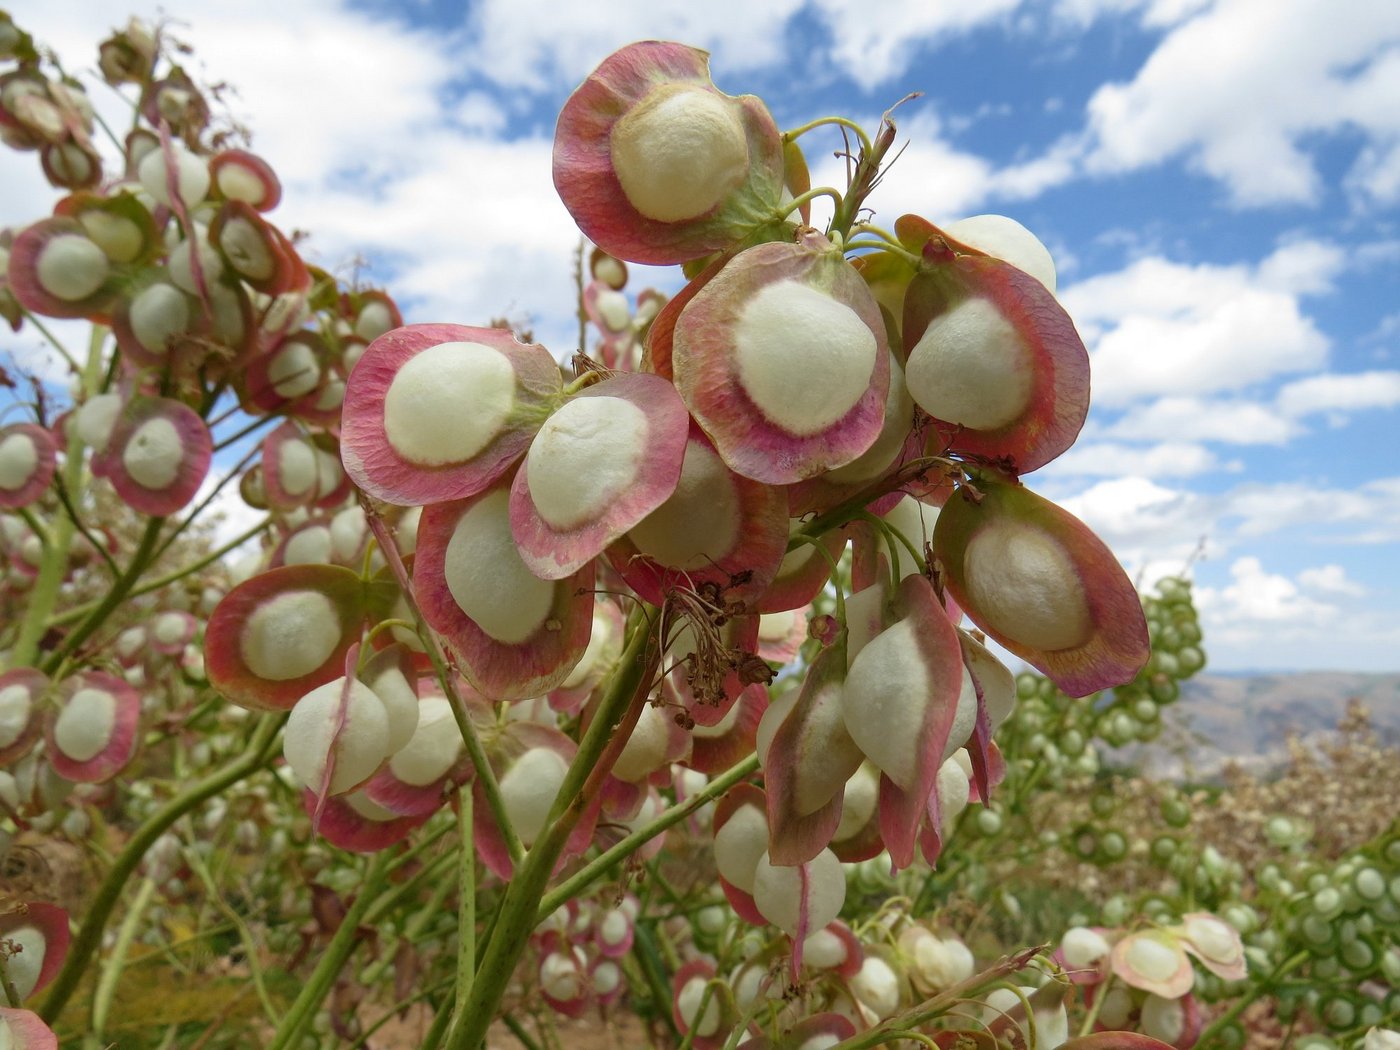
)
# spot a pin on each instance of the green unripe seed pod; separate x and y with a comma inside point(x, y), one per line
point(1358, 955)
point(1369, 884)
point(1164, 848)
point(1327, 902)
point(1112, 846)
point(989, 822)
point(1103, 805)
point(1176, 811)
point(1146, 712)
point(1084, 841)
point(1027, 685)
point(1339, 1013)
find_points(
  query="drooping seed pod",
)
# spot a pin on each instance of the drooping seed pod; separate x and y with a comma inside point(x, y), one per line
point(782, 360)
point(656, 165)
point(1154, 961)
point(413, 782)
point(25, 1030)
point(41, 933)
point(57, 270)
point(242, 176)
point(438, 412)
point(21, 689)
point(598, 466)
point(1039, 582)
point(517, 635)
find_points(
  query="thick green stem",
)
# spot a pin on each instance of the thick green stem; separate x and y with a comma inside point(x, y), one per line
point(140, 561)
point(466, 900)
point(574, 885)
point(43, 596)
point(89, 936)
point(333, 960)
point(516, 916)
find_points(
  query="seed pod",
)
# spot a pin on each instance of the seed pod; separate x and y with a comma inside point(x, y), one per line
point(598, 466)
point(781, 358)
point(1040, 583)
point(27, 459)
point(20, 692)
point(94, 733)
point(57, 270)
point(439, 412)
point(518, 635)
point(157, 455)
point(656, 165)
point(1154, 961)
point(41, 932)
point(242, 176)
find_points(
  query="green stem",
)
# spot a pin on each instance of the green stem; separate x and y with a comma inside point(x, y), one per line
point(574, 885)
point(89, 936)
point(516, 916)
point(851, 125)
point(333, 959)
point(466, 901)
point(1208, 1035)
point(518, 1030)
point(69, 615)
point(121, 587)
point(43, 596)
point(116, 963)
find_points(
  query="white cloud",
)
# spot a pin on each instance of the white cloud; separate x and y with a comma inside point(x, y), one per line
point(1205, 419)
point(1238, 88)
point(1259, 596)
point(1109, 459)
point(1339, 393)
point(1165, 328)
point(1332, 579)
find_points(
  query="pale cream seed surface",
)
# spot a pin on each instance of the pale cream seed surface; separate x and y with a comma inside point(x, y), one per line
point(700, 522)
point(487, 578)
point(71, 267)
point(154, 453)
point(447, 403)
point(1024, 585)
point(585, 457)
point(158, 313)
point(15, 705)
point(679, 152)
point(290, 636)
point(804, 358)
point(18, 458)
point(84, 726)
point(971, 367)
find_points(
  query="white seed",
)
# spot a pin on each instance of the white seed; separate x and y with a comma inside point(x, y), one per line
point(119, 238)
point(23, 967)
point(290, 636)
point(899, 417)
point(447, 403)
point(18, 459)
point(679, 152)
point(1024, 586)
point(157, 314)
point(1152, 959)
point(876, 987)
point(612, 308)
point(15, 708)
point(375, 319)
point(239, 183)
point(528, 790)
point(692, 994)
point(823, 950)
point(246, 249)
point(434, 747)
point(585, 457)
point(85, 725)
point(70, 267)
point(1163, 1019)
point(740, 844)
point(1004, 238)
point(487, 578)
point(154, 453)
point(884, 700)
point(858, 803)
point(971, 367)
point(778, 892)
point(804, 358)
point(700, 522)
point(309, 547)
point(310, 737)
point(294, 371)
point(400, 704)
point(191, 176)
point(645, 750)
point(180, 262)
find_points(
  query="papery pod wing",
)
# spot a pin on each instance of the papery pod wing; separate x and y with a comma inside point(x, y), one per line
point(656, 165)
point(991, 356)
point(1039, 582)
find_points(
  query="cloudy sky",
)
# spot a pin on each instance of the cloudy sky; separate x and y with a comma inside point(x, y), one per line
point(1219, 181)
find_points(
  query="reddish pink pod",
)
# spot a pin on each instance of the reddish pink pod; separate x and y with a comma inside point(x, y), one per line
point(151, 323)
point(301, 469)
point(656, 165)
point(608, 458)
point(707, 1027)
point(517, 635)
point(992, 356)
point(21, 690)
point(803, 572)
point(289, 374)
point(255, 250)
point(28, 1030)
point(828, 1028)
point(357, 823)
point(739, 847)
point(782, 359)
point(1037, 580)
point(246, 177)
point(717, 528)
point(715, 748)
point(58, 270)
point(27, 459)
point(275, 637)
point(41, 930)
point(437, 412)
point(1154, 961)
point(92, 736)
point(157, 456)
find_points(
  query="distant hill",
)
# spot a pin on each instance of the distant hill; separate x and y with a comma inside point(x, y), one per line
point(1248, 718)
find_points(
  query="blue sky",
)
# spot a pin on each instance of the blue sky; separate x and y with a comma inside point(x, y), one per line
point(1218, 180)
